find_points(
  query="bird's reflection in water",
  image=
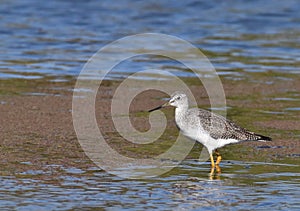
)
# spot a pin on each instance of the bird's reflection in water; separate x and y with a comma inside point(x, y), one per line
point(215, 173)
point(199, 192)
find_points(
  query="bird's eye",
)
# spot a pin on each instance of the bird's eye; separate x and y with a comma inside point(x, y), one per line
point(178, 98)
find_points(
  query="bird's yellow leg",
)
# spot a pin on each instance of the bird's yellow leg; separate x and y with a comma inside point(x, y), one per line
point(219, 157)
point(212, 170)
point(212, 161)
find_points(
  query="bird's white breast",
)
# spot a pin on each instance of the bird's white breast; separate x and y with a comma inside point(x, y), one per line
point(194, 130)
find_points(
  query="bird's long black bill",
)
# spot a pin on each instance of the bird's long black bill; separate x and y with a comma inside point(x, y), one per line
point(154, 109)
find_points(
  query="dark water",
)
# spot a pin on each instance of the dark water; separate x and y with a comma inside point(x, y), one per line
point(40, 39)
point(241, 186)
point(52, 40)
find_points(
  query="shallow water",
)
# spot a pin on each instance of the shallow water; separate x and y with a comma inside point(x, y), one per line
point(252, 43)
point(240, 186)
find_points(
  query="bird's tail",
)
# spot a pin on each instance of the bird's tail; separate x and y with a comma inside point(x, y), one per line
point(263, 138)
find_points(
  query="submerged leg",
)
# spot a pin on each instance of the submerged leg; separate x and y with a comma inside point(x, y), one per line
point(215, 165)
point(219, 158)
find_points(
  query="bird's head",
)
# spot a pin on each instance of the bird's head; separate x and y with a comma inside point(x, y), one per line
point(178, 99)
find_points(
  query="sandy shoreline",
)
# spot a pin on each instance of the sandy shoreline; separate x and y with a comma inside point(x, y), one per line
point(37, 130)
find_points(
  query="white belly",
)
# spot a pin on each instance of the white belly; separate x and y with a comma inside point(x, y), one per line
point(205, 139)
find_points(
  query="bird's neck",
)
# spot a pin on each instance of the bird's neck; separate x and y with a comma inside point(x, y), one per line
point(181, 110)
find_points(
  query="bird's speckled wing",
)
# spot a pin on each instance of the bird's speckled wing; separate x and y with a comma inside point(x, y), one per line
point(221, 128)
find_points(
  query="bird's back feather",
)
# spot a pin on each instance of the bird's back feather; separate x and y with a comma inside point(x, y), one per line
point(221, 128)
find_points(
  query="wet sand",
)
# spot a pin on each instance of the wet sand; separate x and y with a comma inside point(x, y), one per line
point(37, 130)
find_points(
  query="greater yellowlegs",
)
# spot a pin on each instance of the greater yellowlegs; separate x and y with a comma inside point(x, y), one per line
point(210, 129)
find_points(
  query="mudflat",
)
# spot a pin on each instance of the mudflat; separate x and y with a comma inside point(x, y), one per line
point(37, 130)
